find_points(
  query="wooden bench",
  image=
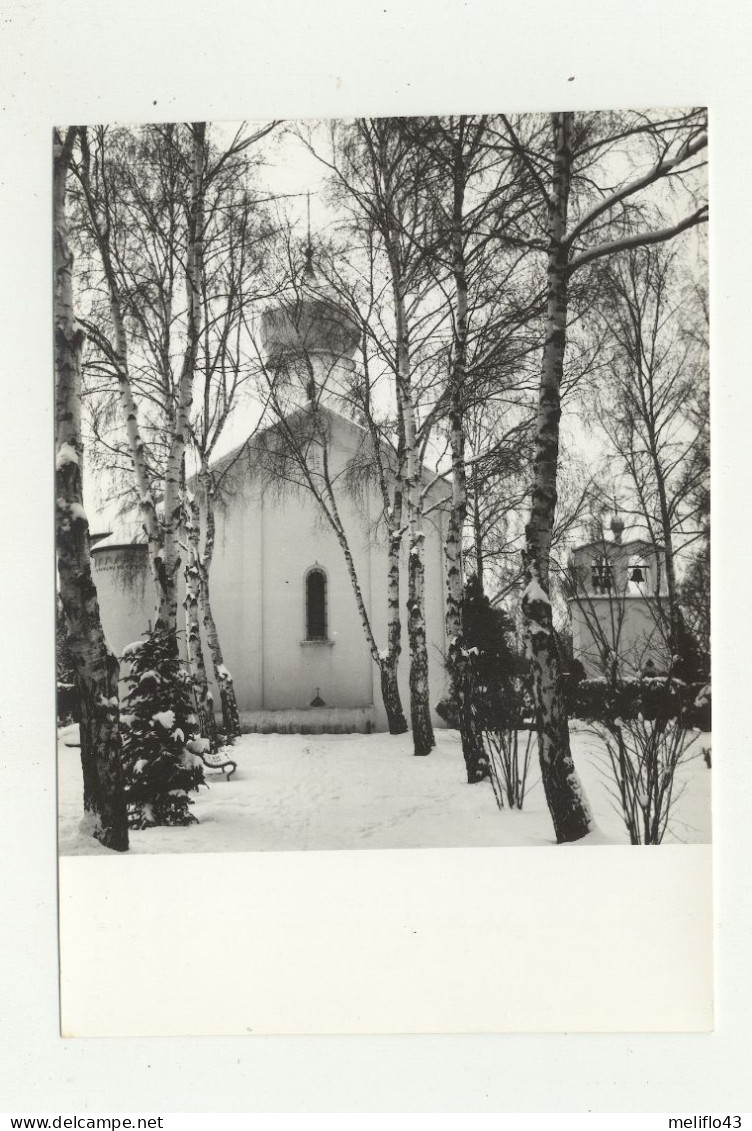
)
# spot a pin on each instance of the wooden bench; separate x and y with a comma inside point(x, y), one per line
point(216, 760)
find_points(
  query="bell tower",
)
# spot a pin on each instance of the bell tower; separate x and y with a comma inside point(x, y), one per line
point(616, 592)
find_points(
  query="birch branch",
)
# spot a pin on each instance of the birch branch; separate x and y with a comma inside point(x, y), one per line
point(661, 169)
point(639, 239)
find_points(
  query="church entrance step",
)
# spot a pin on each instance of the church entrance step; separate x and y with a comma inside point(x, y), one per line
point(310, 720)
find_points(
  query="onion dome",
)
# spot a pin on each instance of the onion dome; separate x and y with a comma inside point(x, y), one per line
point(617, 527)
point(313, 322)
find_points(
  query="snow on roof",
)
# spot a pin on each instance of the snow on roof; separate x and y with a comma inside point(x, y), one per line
point(249, 444)
point(124, 534)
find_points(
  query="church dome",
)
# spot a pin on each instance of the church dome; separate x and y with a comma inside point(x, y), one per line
point(315, 322)
point(617, 527)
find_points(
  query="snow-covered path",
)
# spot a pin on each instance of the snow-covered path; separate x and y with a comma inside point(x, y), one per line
point(297, 791)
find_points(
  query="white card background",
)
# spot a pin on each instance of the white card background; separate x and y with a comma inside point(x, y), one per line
point(79, 62)
point(406, 941)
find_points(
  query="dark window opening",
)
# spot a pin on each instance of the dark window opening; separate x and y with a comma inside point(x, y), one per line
point(602, 576)
point(316, 605)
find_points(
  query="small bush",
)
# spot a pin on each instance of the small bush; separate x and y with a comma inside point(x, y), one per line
point(157, 720)
point(446, 709)
point(509, 751)
point(652, 696)
point(700, 712)
point(644, 725)
point(501, 694)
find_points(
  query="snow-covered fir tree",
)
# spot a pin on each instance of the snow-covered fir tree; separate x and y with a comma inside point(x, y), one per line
point(158, 719)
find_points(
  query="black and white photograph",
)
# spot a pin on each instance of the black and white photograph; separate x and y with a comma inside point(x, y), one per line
point(362, 368)
point(382, 483)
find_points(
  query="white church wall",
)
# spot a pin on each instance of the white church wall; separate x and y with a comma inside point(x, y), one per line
point(266, 545)
point(629, 625)
point(125, 591)
point(235, 583)
point(296, 670)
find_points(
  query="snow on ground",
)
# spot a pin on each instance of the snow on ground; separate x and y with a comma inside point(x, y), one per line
point(298, 791)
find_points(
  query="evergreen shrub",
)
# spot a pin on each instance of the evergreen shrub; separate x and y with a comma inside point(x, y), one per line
point(157, 721)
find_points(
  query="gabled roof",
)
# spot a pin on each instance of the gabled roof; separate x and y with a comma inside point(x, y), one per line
point(131, 532)
point(124, 535)
point(256, 439)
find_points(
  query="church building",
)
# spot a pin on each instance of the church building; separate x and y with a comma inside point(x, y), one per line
point(282, 597)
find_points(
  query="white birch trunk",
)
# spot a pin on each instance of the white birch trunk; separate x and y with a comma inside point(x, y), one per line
point(230, 713)
point(192, 572)
point(175, 469)
point(674, 614)
point(97, 670)
point(420, 713)
point(566, 800)
point(389, 663)
point(477, 530)
point(459, 662)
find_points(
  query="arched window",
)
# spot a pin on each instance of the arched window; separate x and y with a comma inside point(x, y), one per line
point(316, 626)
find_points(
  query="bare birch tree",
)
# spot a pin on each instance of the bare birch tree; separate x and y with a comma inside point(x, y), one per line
point(158, 202)
point(108, 210)
point(296, 450)
point(378, 170)
point(477, 198)
point(101, 202)
point(615, 218)
point(231, 287)
point(356, 278)
point(653, 378)
point(97, 670)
